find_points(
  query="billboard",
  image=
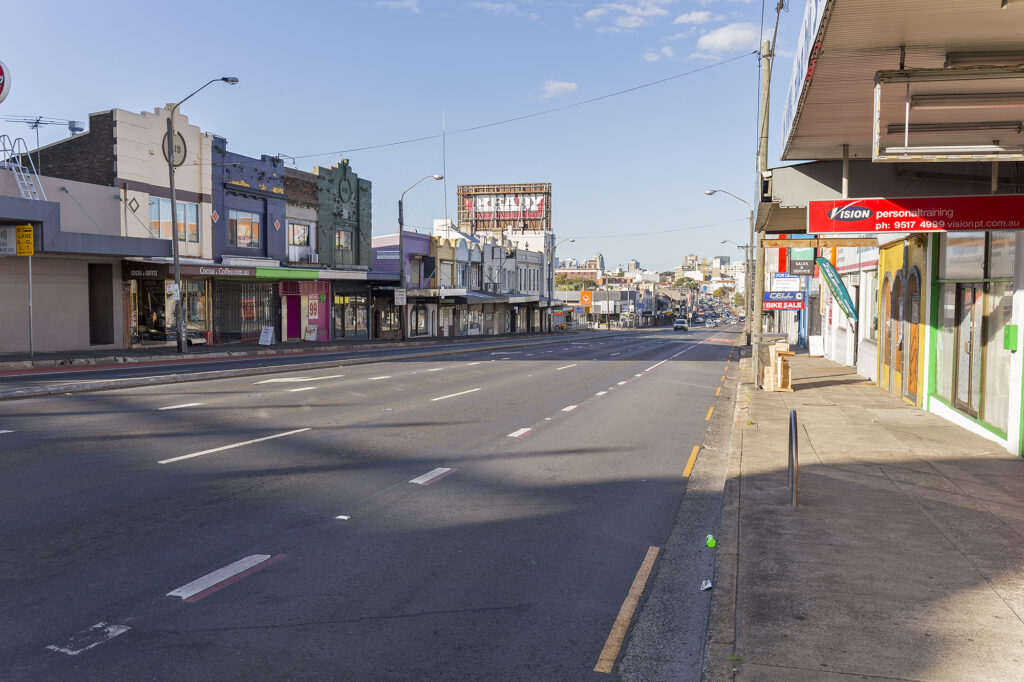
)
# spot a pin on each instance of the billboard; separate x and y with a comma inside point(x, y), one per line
point(504, 208)
point(930, 214)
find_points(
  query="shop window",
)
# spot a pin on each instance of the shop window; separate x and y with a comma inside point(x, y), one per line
point(420, 322)
point(298, 234)
point(963, 256)
point(243, 229)
point(476, 320)
point(389, 319)
point(998, 313)
point(160, 223)
point(945, 350)
point(1001, 247)
point(871, 305)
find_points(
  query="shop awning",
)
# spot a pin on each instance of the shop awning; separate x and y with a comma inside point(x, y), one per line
point(476, 298)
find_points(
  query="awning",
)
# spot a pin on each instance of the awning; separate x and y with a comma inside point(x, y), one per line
point(476, 298)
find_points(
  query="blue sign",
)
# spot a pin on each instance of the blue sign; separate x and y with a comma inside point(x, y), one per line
point(783, 295)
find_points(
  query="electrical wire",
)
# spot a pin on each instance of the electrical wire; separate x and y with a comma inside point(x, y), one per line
point(535, 114)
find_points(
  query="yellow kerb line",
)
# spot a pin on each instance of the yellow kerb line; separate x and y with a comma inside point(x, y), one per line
point(710, 410)
point(718, 391)
point(606, 661)
point(723, 378)
point(690, 462)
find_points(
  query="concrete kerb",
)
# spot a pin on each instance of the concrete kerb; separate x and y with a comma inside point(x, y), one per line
point(37, 392)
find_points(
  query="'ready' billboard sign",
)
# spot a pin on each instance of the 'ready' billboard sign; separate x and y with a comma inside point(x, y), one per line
point(927, 214)
point(504, 208)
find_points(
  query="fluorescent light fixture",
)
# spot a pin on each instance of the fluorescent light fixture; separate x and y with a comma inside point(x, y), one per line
point(959, 149)
point(981, 100)
point(954, 59)
point(965, 127)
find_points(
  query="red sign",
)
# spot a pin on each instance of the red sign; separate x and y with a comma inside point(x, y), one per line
point(930, 214)
point(783, 305)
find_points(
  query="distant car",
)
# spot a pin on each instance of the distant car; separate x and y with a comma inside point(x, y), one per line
point(709, 325)
point(680, 325)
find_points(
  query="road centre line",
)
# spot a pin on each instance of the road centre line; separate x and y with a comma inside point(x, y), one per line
point(690, 462)
point(6, 431)
point(436, 369)
point(233, 445)
point(565, 367)
point(387, 376)
point(570, 408)
point(474, 363)
point(89, 638)
point(612, 645)
point(656, 366)
point(303, 388)
point(519, 433)
point(222, 577)
point(432, 476)
point(452, 395)
point(169, 407)
point(614, 354)
point(622, 383)
point(601, 393)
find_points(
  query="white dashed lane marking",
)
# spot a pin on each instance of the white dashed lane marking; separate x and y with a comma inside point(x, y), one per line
point(570, 408)
point(452, 395)
point(89, 638)
point(169, 407)
point(565, 367)
point(519, 433)
point(432, 476)
point(233, 445)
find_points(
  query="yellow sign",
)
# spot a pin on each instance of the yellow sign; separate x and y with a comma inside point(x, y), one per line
point(26, 241)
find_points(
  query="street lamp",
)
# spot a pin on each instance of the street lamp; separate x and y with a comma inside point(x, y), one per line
point(748, 276)
point(401, 241)
point(746, 279)
point(551, 274)
point(180, 297)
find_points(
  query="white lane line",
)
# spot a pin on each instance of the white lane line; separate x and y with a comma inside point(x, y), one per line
point(6, 431)
point(601, 393)
point(222, 577)
point(90, 637)
point(656, 366)
point(343, 517)
point(436, 369)
point(622, 383)
point(432, 476)
point(296, 380)
point(519, 433)
point(304, 388)
point(614, 354)
point(452, 395)
point(566, 367)
point(233, 445)
point(570, 408)
point(505, 352)
point(388, 376)
point(169, 407)
point(473, 363)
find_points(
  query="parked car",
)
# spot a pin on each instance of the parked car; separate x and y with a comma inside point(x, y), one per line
point(680, 325)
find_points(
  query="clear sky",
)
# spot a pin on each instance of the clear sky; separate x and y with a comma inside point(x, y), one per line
point(317, 78)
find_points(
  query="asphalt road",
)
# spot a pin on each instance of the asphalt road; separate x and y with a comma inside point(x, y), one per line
point(480, 515)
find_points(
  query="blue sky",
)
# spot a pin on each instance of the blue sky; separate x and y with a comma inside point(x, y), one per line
point(320, 77)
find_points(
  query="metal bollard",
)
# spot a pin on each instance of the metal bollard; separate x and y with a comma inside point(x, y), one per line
point(794, 458)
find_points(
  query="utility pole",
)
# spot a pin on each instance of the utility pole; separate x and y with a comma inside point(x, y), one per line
point(762, 166)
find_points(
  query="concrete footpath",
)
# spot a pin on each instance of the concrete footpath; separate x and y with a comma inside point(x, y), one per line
point(903, 561)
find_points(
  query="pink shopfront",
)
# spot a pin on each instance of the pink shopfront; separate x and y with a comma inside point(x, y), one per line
point(305, 310)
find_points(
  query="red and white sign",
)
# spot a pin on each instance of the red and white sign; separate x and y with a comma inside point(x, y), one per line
point(783, 305)
point(930, 214)
point(313, 308)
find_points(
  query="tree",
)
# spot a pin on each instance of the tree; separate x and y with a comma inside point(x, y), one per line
point(721, 292)
point(687, 283)
point(738, 300)
point(561, 280)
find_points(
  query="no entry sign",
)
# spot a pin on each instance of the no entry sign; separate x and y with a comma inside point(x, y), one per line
point(928, 214)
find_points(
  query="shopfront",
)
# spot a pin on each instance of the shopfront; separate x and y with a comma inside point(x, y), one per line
point(151, 305)
point(974, 335)
point(305, 310)
point(350, 312)
point(901, 356)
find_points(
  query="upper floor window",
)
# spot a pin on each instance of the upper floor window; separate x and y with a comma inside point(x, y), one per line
point(160, 224)
point(298, 234)
point(343, 240)
point(243, 229)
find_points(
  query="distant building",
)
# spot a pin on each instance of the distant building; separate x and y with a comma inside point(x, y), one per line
point(633, 265)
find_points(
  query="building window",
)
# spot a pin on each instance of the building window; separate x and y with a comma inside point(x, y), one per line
point(298, 234)
point(244, 229)
point(160, 224)
point(342, 240)
point(420, 323)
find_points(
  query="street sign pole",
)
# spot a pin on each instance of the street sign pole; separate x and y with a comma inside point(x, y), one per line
point(31, 347)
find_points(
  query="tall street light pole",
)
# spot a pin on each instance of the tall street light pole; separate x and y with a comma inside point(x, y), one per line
point(748, 276)
point(180, 299)
point(401, 244)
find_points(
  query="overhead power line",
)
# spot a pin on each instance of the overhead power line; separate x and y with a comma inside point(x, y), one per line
point(531, 115)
